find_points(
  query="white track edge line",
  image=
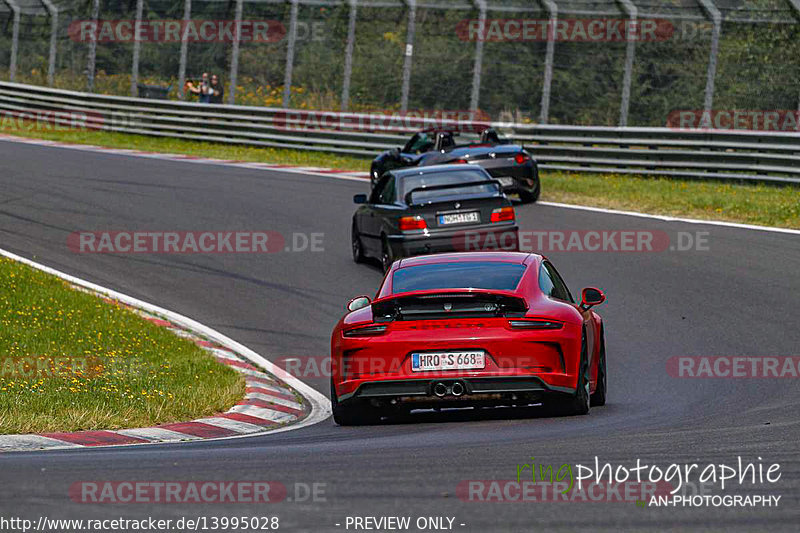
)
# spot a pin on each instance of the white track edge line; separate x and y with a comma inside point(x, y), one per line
point(252, 165)
point(668, 218)
point(320, 405)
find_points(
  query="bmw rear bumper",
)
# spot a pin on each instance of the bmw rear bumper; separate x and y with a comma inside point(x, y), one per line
point(498, 236)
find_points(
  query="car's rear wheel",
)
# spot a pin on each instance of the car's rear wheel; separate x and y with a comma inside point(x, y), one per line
point(358, 247)
point(352, 413)
point(599, 396)
point(579, 402)
point(387, 256)
point(528, 197)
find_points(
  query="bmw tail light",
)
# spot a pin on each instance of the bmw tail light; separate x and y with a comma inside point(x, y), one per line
point(365, 331)
point(521, 158)
point(535, 324)
point(503, 214)
point(411, 223)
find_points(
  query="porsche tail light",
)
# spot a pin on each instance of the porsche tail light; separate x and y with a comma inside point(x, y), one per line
point(503, 214)
point(535, 324)
point(521, 158)
point(410, 223)
point(365, 331)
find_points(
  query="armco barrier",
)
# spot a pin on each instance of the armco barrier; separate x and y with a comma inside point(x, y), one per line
point(772, 157)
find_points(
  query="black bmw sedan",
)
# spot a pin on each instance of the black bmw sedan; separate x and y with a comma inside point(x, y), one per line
point(432, 209)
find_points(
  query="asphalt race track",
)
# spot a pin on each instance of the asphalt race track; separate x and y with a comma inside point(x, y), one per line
point(739, 298)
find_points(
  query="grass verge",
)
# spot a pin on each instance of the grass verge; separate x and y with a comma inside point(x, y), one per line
point(71, 361)
point(710, 200)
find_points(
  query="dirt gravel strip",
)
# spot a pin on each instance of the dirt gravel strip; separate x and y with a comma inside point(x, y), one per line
point(274, 400)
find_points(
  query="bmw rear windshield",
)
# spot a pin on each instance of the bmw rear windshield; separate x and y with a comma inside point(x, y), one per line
point(448, 177)
point(490, 275)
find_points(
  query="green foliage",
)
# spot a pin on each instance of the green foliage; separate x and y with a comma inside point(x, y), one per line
point(71, 361)
point(758, 64)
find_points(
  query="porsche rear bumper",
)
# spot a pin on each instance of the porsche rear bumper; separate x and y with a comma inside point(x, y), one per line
point(475, 389)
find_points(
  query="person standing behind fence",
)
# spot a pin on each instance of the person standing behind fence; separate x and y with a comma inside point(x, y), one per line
point(203, 90)
point(216, 90)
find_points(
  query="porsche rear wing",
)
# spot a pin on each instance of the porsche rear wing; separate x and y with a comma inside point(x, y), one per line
point(432, 305)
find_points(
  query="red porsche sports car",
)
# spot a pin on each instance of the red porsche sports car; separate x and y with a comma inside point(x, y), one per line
point(468, 329)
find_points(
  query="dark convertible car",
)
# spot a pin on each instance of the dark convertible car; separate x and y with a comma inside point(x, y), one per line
point(432, 209)
point(508, 163)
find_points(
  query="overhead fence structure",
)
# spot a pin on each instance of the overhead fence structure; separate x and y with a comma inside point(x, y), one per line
point(768, 157)
point(579, 62)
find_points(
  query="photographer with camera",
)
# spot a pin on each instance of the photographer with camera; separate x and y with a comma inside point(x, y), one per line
point(202, 89)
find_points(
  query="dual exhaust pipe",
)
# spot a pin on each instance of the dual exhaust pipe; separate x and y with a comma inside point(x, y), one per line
point(442, 389)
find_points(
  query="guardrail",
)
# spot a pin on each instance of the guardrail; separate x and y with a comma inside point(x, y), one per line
point(771, 157)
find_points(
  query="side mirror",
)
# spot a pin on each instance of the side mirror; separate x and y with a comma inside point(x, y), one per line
point(359, 302)
point(360, 198)
point(591, 297)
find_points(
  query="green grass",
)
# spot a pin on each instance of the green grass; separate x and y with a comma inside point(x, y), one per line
point(711, 200)
point(71, 361)
point(764, 205)
point(180, 146)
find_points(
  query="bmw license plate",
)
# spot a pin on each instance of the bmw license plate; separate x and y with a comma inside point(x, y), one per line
point(432, 361)
point(506, 182)
point(459, 218)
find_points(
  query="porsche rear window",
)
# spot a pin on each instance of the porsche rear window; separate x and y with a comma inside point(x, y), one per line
point(490, 275)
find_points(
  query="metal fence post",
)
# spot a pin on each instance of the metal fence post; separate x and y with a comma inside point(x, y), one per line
point(552, 14)
point(796, 8)
point(716, 20)
point(136, 48)
point(348, 54)
point(235, 52)
point(478, 67)
point(409, 54)
point(187, 16)
point(287, 75)
point(52, 12)
point(630, 54)
point(12, 64)
point(90, 63)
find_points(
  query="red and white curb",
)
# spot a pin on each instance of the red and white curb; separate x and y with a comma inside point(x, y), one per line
point(274, 399)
